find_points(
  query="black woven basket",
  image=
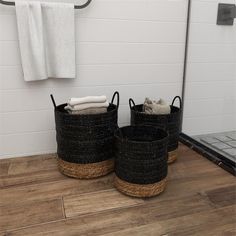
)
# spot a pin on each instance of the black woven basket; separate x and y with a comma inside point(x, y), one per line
point(170, 122)
point(85, 139)
point(140, 160)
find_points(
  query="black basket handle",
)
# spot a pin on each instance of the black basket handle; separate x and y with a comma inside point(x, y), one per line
point(180, 101)
point(118, 99)
point(131, 102)
point(53, 101)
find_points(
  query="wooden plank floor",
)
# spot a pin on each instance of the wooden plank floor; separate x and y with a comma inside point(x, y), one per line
point(35, 199)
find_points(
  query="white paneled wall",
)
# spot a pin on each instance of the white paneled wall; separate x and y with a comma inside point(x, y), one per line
point(133, 46)
point(210, 100)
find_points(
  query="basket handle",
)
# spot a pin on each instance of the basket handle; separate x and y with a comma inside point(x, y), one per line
point(180, 101)
point(53, 101)
point(131, 102)
point(118, 98)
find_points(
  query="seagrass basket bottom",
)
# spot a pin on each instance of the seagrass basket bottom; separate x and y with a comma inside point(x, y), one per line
point(85, 171)
point(172, 156)
point(140, 190)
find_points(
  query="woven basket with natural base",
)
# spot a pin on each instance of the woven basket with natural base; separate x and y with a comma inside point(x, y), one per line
point(86, 171)
point(141, 160)
point(172, 156)
point(85, 141)
point(169, 122)
point(140, 190)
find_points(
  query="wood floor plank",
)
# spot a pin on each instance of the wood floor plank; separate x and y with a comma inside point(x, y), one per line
point(54, 189)
point(29, 170)
point(4, 166)
point(180, 170)
point(221, 230)
point(185, 154)
point(31, 164)
point(188, 185)
point(213, 222)
point(190, 164)
point(195, 184)
point(30, 178)
point(223, 196)
point(99, 201)
point(25, 214)
point(118, 219)
point(196, 193)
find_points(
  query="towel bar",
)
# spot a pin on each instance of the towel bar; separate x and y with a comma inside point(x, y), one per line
point(76, 6)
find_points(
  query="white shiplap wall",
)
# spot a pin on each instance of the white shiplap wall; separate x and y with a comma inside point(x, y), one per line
point(133, 46)
point(210, 100)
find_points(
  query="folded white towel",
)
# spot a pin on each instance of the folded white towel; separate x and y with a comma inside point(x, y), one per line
point(156, 107)
point(86, 106)
point(47, 39)
point(88, 99)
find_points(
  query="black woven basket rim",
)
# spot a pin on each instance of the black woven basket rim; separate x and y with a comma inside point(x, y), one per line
point(64, 112)
point(116, 135)
point(159, 115)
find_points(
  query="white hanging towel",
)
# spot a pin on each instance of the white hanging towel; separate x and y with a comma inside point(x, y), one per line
point(47, 39)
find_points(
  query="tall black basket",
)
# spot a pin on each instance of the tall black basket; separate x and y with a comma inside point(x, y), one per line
point(170, 122)
point(141, 160)
point(85, 141)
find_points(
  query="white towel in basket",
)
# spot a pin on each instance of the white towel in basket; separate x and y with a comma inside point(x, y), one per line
point(88, 99)
point(85, 106)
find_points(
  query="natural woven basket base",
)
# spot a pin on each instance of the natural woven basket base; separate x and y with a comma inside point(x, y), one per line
point(86, 171)
point(172, 157)
point(140, 190)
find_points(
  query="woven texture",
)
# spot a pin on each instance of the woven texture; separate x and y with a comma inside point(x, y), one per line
point(172, 156)
point(169, 122)
point(86, 171)
point(138, 190)
point(85, 139)
point(141, 154)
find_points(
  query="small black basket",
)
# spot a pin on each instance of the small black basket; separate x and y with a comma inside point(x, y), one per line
point(85, 140)
point(140, 160)
point(169, 122)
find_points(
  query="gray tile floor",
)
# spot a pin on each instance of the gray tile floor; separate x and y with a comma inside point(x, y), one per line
point(224, 143)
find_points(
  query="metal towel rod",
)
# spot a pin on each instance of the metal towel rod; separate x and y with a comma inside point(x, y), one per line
point(76, 6)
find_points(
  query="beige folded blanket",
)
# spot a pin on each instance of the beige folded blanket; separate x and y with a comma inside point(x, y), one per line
point(156, 107)
point(89, 111)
